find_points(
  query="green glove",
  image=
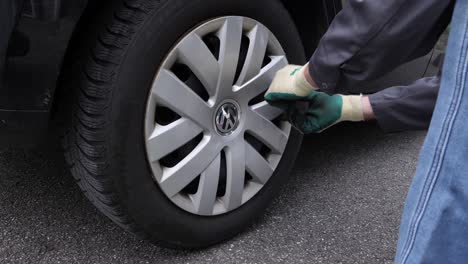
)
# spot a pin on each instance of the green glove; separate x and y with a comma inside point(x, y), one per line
point(289, 84)
point(323, 111)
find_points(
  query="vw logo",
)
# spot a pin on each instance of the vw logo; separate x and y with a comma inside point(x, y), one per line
point(227, 118)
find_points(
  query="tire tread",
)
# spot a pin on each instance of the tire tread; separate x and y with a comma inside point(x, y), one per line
point(84, 139)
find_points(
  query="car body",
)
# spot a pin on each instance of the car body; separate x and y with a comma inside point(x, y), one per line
point(27, 104)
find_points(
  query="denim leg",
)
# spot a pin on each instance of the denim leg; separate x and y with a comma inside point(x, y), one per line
point(434, 227)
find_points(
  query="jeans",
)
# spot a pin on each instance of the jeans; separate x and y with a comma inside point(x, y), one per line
point(434, 227)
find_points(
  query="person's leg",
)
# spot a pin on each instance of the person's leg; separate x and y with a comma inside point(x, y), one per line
point(434, 227)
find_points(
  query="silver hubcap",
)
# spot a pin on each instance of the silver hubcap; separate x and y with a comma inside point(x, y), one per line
point(212, 141)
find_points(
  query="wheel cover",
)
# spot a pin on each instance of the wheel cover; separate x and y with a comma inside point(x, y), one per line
point(220, 141)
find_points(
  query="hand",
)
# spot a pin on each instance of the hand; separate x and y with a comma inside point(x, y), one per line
point(323, 111)
point(290, 83)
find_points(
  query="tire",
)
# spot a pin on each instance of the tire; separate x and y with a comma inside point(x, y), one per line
point(104, 140)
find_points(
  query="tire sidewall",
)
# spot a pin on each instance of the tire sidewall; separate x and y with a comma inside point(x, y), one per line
point(153, 213)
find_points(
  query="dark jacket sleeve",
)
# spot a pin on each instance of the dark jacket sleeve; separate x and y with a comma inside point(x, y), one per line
point(369, 38)
point(403, 108)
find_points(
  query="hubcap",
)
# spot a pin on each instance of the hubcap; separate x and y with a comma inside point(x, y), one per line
point(212, 142)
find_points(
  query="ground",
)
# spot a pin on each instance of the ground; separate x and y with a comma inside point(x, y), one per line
point(342, 205)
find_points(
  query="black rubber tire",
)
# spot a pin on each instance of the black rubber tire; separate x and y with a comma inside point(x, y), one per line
point(104, 142)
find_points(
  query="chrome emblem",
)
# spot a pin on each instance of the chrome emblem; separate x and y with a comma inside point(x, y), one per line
point(227, 118)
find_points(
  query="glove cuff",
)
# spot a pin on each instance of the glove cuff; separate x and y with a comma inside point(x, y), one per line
point(303, 87)
point(352, 108)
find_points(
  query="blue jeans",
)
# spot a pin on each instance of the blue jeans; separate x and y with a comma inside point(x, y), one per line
point(434, 226)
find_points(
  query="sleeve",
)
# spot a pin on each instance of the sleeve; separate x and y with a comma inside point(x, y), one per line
point(369, 38)
point(402, 108)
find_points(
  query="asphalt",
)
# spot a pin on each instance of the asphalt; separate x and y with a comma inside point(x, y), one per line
point(342, 205)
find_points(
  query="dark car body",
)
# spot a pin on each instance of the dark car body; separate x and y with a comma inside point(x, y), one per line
point(53, 28)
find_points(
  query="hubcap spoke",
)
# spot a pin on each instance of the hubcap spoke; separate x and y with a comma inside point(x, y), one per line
point(166, 139)
point(258, 37)
point(173, 93)
point(261, 81)
point(235, 165)
point(256, 165)
point(196, 55)
point(266, 110)
point(230, 37)
point(267, 132)
point(176, 178)
point(205, 197)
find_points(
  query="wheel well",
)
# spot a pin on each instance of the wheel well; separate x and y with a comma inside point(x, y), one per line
point(84, 30)
point(312, 19)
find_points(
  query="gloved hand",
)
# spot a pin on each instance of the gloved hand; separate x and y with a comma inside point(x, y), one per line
point(323, 111)
point(289, 84)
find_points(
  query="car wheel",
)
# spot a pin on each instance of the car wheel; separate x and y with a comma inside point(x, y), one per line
point(170, 136)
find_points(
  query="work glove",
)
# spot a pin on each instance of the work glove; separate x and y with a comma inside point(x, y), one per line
point(322, 111)
point(289, 84)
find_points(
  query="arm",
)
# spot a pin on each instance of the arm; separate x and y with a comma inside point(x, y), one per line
point(404, 107)
point(369, 38)
point(366, 40)
point(395, 109)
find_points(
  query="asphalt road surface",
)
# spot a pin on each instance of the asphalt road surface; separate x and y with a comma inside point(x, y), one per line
point(342, 205)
